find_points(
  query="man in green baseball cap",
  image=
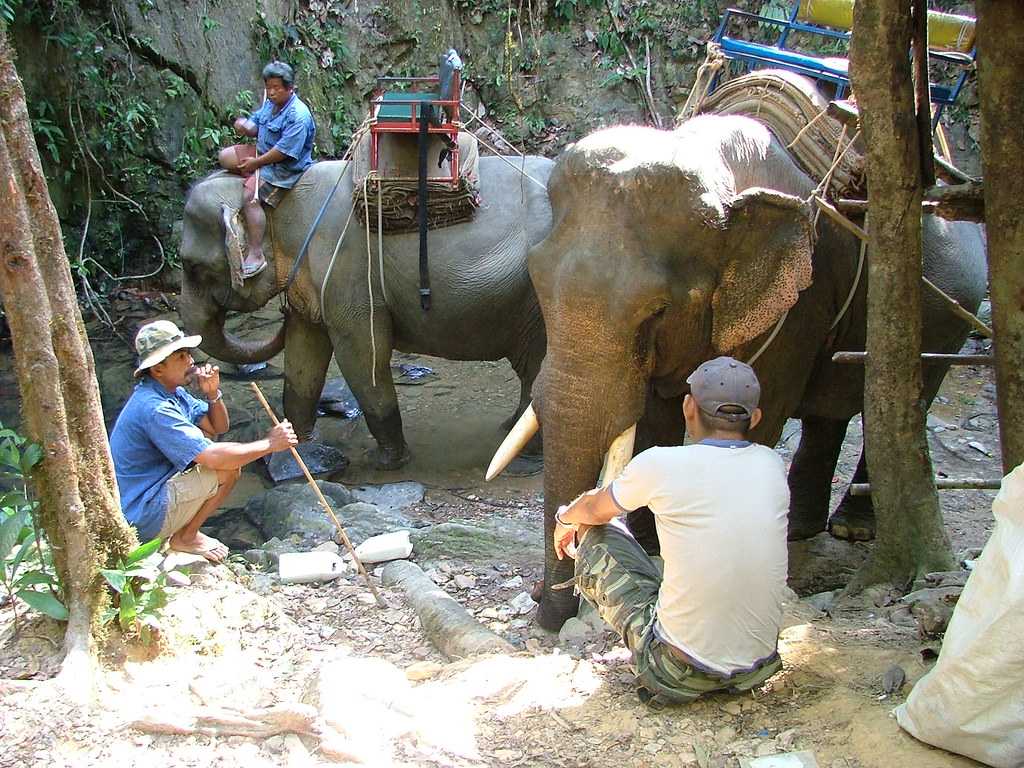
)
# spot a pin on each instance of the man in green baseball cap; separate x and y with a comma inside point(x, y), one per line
point(171, 475)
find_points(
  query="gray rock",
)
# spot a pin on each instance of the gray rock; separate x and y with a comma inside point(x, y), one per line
point(574, 632)
point(320, 459)
point(464, 581)
point(522, 603)
point(327, 546)
point(261, 558)
point(275, 548)
point(392, 497)
point(178, 579)
point(822, 601)
point(893, 679)
point(295, 511)
point(479, 543)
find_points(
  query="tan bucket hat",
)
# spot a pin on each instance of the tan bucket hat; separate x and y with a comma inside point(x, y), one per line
point(156, 340)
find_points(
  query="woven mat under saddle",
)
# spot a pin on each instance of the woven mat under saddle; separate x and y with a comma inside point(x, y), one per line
point(394, 188)
point(791, 106)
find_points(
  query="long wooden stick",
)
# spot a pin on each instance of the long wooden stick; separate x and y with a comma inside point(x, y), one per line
point(323, 502)
point(942, 484)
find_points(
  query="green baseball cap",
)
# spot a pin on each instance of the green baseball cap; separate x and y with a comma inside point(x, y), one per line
point(156, 340)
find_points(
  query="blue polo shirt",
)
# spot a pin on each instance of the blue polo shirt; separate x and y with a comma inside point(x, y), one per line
point(155, 437)
point(290, 130)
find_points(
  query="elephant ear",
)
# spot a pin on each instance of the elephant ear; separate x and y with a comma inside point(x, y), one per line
point(234, 243)
point(765, 263)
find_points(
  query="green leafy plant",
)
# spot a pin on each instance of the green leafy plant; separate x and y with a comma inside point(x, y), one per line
point(26, 568)
point(139, 593)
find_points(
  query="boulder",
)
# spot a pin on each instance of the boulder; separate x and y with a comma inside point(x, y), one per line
point(295, 511)
point(480, 543)
point(391, 497)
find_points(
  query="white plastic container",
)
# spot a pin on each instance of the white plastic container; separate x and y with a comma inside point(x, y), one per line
point(387, 546)
point(305, 567)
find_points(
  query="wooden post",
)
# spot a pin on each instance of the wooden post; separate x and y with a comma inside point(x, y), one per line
point(910, 539)
point(1000, 54)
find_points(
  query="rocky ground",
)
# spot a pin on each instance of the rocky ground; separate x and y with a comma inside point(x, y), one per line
point(363, 684)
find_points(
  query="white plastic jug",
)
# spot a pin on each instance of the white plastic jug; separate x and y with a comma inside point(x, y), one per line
point(304, 567)
point(387, 546)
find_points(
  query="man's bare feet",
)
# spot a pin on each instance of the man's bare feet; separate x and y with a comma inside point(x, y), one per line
point(201, 544)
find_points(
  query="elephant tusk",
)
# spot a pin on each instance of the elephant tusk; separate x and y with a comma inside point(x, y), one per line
point(618, 456)
point(517, 438)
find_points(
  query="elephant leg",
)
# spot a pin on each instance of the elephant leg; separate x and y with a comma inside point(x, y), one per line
point(369, 378)
point(810, 475)
point(854, 518)
point(307, 354)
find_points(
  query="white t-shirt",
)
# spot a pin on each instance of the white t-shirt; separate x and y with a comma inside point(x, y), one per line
point(721, 514)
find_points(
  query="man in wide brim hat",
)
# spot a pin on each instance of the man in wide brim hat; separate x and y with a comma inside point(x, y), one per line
point(171, 475)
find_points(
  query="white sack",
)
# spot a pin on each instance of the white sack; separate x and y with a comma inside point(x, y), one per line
point(972, 701)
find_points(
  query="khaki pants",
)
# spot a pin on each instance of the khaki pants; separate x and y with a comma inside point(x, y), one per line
point(615, 574)
point(186, 492)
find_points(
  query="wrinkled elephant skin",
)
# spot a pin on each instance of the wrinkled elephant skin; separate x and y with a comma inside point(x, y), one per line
point(484, 307)
point(671, 247)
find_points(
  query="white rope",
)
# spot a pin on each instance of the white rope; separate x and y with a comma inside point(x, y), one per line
point(856, 280)
point(770, 339)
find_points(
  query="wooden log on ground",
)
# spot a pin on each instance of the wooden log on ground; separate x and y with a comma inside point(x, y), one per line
point(216, 721)
point(446, 623)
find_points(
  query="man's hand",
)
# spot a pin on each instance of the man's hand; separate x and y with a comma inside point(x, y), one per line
point(282, 437)
point(207, 379)
point(244, 127)
point(249, 165)
point(564, 538)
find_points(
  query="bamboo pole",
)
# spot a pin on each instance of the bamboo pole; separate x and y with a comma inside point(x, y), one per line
point(926, 358)
point(941, 484)
point(323, 502)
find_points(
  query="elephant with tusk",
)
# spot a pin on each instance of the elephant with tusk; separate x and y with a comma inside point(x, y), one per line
point(670, 248)
point(484, 306)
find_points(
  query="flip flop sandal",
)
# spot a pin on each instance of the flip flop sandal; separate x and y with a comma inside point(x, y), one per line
point(248, 272)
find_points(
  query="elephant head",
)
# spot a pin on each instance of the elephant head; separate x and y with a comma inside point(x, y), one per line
point(212, 240)
point(667, 249)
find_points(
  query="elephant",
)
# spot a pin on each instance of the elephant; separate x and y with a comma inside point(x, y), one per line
point(484, 307)
point(669, 248)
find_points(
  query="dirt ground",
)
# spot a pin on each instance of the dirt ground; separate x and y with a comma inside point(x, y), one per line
point(235, 639)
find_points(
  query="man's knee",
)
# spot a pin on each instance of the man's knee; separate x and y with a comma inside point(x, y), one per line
point(228, 477)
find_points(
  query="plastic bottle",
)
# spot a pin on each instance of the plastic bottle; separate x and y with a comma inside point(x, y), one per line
point(304, 567)
point(387, 546)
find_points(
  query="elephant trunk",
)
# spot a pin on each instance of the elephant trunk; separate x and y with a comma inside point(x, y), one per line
point(201, 315)
point(581, 418)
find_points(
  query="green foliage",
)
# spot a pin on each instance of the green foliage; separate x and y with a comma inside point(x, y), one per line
point(7, 8)
point(26, 568)
point(139, 593)
point(48, 133)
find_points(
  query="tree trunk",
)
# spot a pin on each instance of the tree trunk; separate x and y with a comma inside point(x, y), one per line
point(79, 507)
point(910, 538)
point(1000, 53)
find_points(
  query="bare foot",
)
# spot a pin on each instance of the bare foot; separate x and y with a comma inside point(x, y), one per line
point(201, 544)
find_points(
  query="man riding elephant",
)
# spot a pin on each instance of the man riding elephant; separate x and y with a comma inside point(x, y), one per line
point(284, 131)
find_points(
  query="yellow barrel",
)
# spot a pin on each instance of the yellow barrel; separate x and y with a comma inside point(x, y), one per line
point(946, 31)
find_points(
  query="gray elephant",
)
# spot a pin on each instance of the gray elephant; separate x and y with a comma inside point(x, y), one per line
point(484, 307)
point(669, 248)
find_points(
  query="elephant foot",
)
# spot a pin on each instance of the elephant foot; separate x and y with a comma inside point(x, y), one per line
point(525, 466)
point(804, 526)
point(854, 520)
point(389, 459)
point(555, 611)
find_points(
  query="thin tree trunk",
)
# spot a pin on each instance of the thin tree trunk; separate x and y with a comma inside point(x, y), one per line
point(56, 376)
point(910, 538)
point(1000, 55)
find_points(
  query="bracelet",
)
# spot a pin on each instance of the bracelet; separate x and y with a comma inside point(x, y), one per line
point(218, 398)
point(560, 521)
